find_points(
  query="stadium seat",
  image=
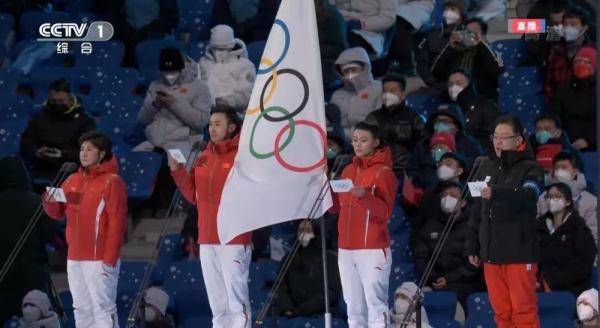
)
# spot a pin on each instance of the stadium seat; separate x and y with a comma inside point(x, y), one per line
point(30, 21)
point(422, 103)
point(113, 82)
point(139, 170)
point(104, 55)
point(195, 18)
point(255, 51)
point(556, 309)
point(10, 135)
point(400, 246)
point(185, 284)
point(66, 299)
point(147, 55)
point(261, 272)
point(12, 323)
point(399, 222)
point(16, 107)
point(169, 251)
point(526, 107)
point(9, 80)
point(590, 168)
point(441, 308)
point(401, 272)
point(520, 81)
point(196, 322)
point(120, 132)
point(197, 50)
point(480, 311)
point(511, 51)
point(113, 107)
point(317, 321)
point(594, 276)
point(132, 274)
point(6, 26)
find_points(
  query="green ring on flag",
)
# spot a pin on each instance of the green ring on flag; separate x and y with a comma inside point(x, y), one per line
point(291, 124)
point(286, 47)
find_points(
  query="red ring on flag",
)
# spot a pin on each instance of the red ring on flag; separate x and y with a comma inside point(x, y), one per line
point(294, 168)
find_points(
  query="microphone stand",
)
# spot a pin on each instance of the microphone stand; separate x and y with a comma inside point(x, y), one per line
point(416, 302)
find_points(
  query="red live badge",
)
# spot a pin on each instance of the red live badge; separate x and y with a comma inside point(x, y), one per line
point(520, 26)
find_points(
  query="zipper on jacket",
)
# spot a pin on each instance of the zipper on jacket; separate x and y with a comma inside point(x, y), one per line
point(490, 220)
point(350, 209)
point(210, 183)
point(79, 211)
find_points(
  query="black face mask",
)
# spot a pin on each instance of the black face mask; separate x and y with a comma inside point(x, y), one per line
point(56, 108)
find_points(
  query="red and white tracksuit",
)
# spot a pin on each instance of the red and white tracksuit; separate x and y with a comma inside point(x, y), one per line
point(96, 212)
point(364, 256)
point(224, 267)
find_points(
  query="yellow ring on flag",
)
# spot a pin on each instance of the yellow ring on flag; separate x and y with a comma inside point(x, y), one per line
point(266, 61)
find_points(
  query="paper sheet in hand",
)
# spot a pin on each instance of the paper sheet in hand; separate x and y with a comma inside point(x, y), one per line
point(475, 188)
point(57, 193)
point(177, 155)
point(341, 185)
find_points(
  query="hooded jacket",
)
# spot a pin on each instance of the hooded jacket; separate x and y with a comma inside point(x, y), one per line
point(203, 187)
point(480, 116)
point(187, 116)
point(230, 75)
point(48, 318)
point(567, 254)
point(363, 222)
point(359, 97)
point(96, 211)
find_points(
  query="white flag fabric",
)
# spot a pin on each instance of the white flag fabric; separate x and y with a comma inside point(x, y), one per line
point(280, 167)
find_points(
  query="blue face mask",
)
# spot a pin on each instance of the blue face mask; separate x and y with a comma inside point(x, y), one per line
point(438, 153)
point(442, 127)
point(331, 154)
point(543, 136)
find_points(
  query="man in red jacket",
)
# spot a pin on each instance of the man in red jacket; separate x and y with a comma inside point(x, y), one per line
point(224, 267)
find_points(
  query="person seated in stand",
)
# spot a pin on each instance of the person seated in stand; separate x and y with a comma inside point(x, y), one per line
point(402, 298)
point(37, 311)
point(587, 309)
point(549, 140)
point(156, 316)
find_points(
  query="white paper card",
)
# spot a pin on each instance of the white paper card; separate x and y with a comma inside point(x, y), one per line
point(341, 185)
point(177, 155)
point(57, 193)
point(475, 188)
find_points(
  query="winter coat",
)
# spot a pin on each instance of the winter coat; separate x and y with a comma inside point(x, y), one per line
point(480, 116)
point(231, 78)
point(415, 12)
point(545, 153)
point(575, 104)
point(332, 40)
point(401, 129)
point(503, 228)
point(586, 204)
point(428, 49)
point(557, 68)
point(96, 212)
point(55, 131)
point(187, 116)
point(567, 254)
point(49, 321)
point(203, 187)
point(302, 287)
point(363, 222)
point(357, 98)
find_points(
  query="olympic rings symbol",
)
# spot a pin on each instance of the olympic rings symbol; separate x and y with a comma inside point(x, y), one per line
point(286, 47)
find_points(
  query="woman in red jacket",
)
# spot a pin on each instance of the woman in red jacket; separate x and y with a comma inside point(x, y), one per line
point(364, 257)
point(96, 212)
point(224, 267)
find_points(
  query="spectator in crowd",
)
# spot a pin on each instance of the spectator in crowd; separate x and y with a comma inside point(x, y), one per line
point(549, 140)
point(361, 94)
point(156, 301)
point(365, 244)
point(367, 22)
point(30, 269)
point(251, 19)
point(502, 223)
point(430, 47)
point(401, 127)
point(333, 117)
point(37, 311)
point(539, 45)
point(566, 170)
point(177, 105)
point(468, 49)
point(558, 67)
point(301, 292)
point(451, 167)
point(50, 138)
point(226, 69)
point(575, 102)
point(332, 38)
point(402, 298)
point(567, 248)
point(96, 213)
point(224, 267)
point(587, 309)
point(452, 271)
point(480, 113)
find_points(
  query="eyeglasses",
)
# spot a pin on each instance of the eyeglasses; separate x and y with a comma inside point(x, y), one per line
point(494, 137)
point(553, 197)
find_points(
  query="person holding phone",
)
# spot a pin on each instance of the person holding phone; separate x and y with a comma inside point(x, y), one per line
point(96, 212)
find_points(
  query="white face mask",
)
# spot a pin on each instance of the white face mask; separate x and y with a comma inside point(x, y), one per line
point(221, 55)
point(571, 33)
point(150, 315)
point(445, 172)
point(556, 205)
point(389, 99)
point(401, 306)
point(563, 175)
point(450, 17)
point(305, 238)
point(585, 312)
point(171, 77)
point(448, 204)
point(454, 91)
point(31, 313)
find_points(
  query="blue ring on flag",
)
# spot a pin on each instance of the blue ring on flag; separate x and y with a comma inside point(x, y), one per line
point(286, 47)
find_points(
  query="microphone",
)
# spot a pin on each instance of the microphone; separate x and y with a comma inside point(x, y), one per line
point(339, 164)
point(68, 167)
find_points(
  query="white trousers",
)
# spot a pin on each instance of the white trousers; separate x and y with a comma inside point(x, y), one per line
point(225, 269)
point(94, 294)
point(365, 276)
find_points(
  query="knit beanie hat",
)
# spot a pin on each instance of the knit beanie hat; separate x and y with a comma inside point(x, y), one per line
point(589, 55)
point(170, 59)
point(39, 299)
point(444, 139)
point(158, 298)
point(408, 289)
point(590, 296)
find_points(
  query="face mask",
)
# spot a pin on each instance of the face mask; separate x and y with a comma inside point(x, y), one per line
point(401, 305)
point(556, 205)
point(563, 175)
point(389, 99)
point(150, 315)
point(582, 71)
point(585, 312)
point(445, 173)
point(454, 91)
point(442, 127)
point(221, 55)
point(571, 33)
point(331, 154)
point(305, 238)
point(437, 154)
point(448, 204)
point(57, 109)
point(31, 313)
point(171, 77)
point(450, 17)
point(543, 136)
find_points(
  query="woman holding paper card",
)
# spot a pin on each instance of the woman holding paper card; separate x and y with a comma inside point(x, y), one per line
point(364, 256)
point(96, 211)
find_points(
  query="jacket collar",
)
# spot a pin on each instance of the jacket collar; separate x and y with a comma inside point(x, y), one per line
point(109, 166)
point(224, 146)
point(380, 156)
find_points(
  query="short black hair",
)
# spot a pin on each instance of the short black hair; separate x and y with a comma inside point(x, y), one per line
point(100, 141)
point(394, 77)
point(514, 123)
point(567, 156)
point(565, 191)
point(548, 116)
point(226, 110)
point(455, 156)
point(445, 185)
point(558, 6)
point(464, 71)
point(60, 85)
point(481, 22)
point(372, 127)
point(578, 12)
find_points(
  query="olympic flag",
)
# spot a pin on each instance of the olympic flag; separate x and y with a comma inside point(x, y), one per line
point(280, 167)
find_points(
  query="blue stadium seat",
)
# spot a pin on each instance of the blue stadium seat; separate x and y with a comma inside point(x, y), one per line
point(113, 107)
point(399, 222)
point(131, 275)
point(12, 323)
point(185, 284)
point(196, 322)
point(480, 311)
point(590, 168)
point(15, 107)
point(113, 82)
point(6, 26)
point(526, 107)
point(312, 322)
point(9, 80)
point(556, 309)
point(422, 103)
point(197, 50)
point(147, 54)
point(519, 81)
point(400, 246)
point(10, 135)
point(104, 55)
point(30, 21)
point(42, 78)
point(170, 250)
point(401, 272)
point(441, 308)
point(139, 170)
point(261, 271)
point(255, 51)
point(195, 18)
point(66, 299)
point(595, 277)
point(120, 132)
point(511, 51)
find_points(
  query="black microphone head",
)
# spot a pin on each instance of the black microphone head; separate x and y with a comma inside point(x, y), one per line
point(197, 145)
point(69, 167)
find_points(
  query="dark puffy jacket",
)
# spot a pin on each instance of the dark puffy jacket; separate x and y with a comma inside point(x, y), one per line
point(503, 228)
point(332, 40)
point(428, 49)
point(567, 255)
point(480, 116)
point(402, 129)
